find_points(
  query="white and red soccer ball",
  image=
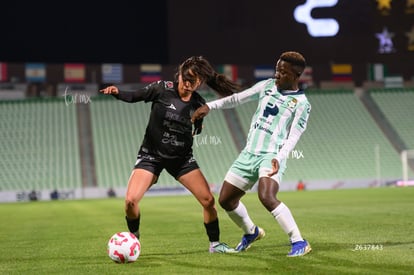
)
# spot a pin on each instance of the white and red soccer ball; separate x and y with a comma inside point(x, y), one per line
point(124, 247)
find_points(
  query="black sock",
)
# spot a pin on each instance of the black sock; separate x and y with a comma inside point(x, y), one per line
point(213, 231)
point(133, 225)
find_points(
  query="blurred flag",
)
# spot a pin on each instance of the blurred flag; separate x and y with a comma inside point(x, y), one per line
point(150, 72)
point(264, 72)
point(112, 73)
point(341, 72)
point(229, 70)
point(74, 72)
point(35, 72)
point(3, 72)
point(377, 72)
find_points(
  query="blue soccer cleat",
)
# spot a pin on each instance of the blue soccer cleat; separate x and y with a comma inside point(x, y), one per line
point(248, 239)
point(300, 248)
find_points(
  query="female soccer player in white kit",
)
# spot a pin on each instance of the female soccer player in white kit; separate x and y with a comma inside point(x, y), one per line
point(279, 121)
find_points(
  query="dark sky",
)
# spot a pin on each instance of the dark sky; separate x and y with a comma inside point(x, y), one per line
point(167, 31)
point(81, 31)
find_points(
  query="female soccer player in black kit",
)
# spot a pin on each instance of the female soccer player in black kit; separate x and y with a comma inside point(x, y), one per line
point(168, 140)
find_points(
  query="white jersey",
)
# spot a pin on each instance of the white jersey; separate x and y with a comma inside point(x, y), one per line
point(279, 121)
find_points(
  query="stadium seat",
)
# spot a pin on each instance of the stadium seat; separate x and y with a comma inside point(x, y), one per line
point(397, 106)
point(343, 142)
point(40, 148)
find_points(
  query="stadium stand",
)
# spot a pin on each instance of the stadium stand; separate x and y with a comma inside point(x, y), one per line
point(117, 129)
point(343, 141)
point(39, 146)
point(398, 107)
point(340, 142)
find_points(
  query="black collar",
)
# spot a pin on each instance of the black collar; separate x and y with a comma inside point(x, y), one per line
point(298, 92)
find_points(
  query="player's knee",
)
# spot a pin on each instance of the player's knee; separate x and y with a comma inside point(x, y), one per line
point(226, 204)
point(208, 202)
point(130, 203)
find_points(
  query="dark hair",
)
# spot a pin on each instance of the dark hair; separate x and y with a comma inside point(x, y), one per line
point(296, 59)
point(201, 68)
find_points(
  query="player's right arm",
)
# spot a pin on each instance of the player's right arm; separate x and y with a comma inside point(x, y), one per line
point(236, 99)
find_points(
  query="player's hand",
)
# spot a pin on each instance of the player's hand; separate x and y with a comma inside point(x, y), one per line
point(200, 113)
point(110, 90)
point(197, 129)
point(275, 167)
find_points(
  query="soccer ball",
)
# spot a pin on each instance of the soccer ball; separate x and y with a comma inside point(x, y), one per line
point(124, 247)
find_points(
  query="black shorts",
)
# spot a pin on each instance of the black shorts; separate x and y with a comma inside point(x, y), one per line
point(176, 167)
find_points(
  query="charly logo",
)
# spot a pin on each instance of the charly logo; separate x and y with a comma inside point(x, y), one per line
point(321, 27)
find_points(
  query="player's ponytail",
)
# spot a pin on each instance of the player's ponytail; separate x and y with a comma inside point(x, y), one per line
point(222, 85)
point(202, 69)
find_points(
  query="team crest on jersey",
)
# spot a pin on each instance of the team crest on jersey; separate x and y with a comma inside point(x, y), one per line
point(292, 104)
point(169, 84)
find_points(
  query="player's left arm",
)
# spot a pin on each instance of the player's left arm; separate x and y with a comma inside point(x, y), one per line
point(297, 128)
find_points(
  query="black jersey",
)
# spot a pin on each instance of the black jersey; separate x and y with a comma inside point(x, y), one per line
point(169, 131)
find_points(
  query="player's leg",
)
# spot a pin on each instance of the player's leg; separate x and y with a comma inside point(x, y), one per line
point(229, 200)
point(238, 179)
point(146, 172)
point(267, 192)
point(230, 194)
point(196, 183)
point(139, 182)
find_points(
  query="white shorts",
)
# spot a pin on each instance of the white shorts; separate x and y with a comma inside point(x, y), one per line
point(248, 168)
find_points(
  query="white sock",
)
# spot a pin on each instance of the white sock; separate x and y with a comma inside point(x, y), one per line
point(285, 219)
point(240, 217)
point(213, 244)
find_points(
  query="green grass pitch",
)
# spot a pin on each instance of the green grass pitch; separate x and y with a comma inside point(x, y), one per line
point(352, 231)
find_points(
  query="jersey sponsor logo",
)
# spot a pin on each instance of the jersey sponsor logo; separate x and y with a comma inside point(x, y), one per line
point(171, 116)
point(270, 110)
point(171, 139)
point(262, 128)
